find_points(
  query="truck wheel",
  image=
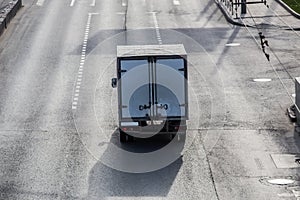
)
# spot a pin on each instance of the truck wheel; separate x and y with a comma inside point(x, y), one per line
point(125, 137)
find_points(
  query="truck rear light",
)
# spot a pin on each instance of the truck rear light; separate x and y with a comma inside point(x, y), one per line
point(176, 127)
point(124, 129)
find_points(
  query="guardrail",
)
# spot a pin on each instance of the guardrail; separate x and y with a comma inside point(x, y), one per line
point(8, 13)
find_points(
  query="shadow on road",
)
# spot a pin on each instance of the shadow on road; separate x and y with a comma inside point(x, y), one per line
point(107, 182)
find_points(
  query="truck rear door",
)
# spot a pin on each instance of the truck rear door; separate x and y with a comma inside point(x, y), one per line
point(135, 89)
point(170, 88)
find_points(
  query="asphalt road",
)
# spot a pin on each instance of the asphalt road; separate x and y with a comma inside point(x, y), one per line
point(58, 113)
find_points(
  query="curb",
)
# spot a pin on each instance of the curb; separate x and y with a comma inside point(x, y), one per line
point(228, 17)
point(8, 14)
point(233, 22)
point(291, 11)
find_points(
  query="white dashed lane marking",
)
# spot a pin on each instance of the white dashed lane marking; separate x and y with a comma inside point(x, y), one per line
point(176, 2)
point(72, 3)
point(93, 3)
point(40, 2)
point(124, 3)
point(82, 61)
point(156, 26)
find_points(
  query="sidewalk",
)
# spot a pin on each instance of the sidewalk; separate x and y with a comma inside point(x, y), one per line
point(8, 9)
point(4, 4)
point(273, 14)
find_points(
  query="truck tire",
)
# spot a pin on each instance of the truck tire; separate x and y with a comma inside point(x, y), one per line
point(125, 137)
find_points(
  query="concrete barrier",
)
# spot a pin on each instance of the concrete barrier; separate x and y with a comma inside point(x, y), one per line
point(297, 102)
point(8, 13)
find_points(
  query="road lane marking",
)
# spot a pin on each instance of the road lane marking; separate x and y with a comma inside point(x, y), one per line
point(82, 61)
point(156, 26)
point(72, 3)
point(176, 2)
point(93, 3)
point(232, 44)
point(40, 2)
point(262, 80)
point(124, 3)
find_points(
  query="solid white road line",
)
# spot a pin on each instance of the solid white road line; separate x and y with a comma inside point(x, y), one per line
point(72, 3)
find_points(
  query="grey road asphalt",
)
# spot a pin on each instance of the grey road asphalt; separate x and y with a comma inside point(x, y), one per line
point(58, 113)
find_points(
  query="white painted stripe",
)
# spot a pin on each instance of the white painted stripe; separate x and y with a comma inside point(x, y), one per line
point(40, 2)
point(72, 3)
point(176, 2)
point(262, 80)
point(93, 3)
point(232, 44)
point(158, 36)
point(83, 56)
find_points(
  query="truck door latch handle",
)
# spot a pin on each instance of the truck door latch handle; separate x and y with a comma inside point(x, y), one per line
point(144, 107)
point(165, 106)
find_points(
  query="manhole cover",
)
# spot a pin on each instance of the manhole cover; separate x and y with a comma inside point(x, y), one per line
point(280, 181)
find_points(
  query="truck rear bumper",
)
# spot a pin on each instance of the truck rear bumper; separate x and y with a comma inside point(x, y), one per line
point(165, 128)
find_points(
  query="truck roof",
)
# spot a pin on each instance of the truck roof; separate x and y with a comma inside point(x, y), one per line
point(150, 50)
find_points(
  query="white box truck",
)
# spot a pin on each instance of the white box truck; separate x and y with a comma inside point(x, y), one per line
point(152, 90)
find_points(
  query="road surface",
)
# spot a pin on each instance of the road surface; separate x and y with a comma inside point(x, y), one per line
point(58, 113)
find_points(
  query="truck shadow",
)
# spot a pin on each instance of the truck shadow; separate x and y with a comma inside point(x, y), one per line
point(107, 182)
